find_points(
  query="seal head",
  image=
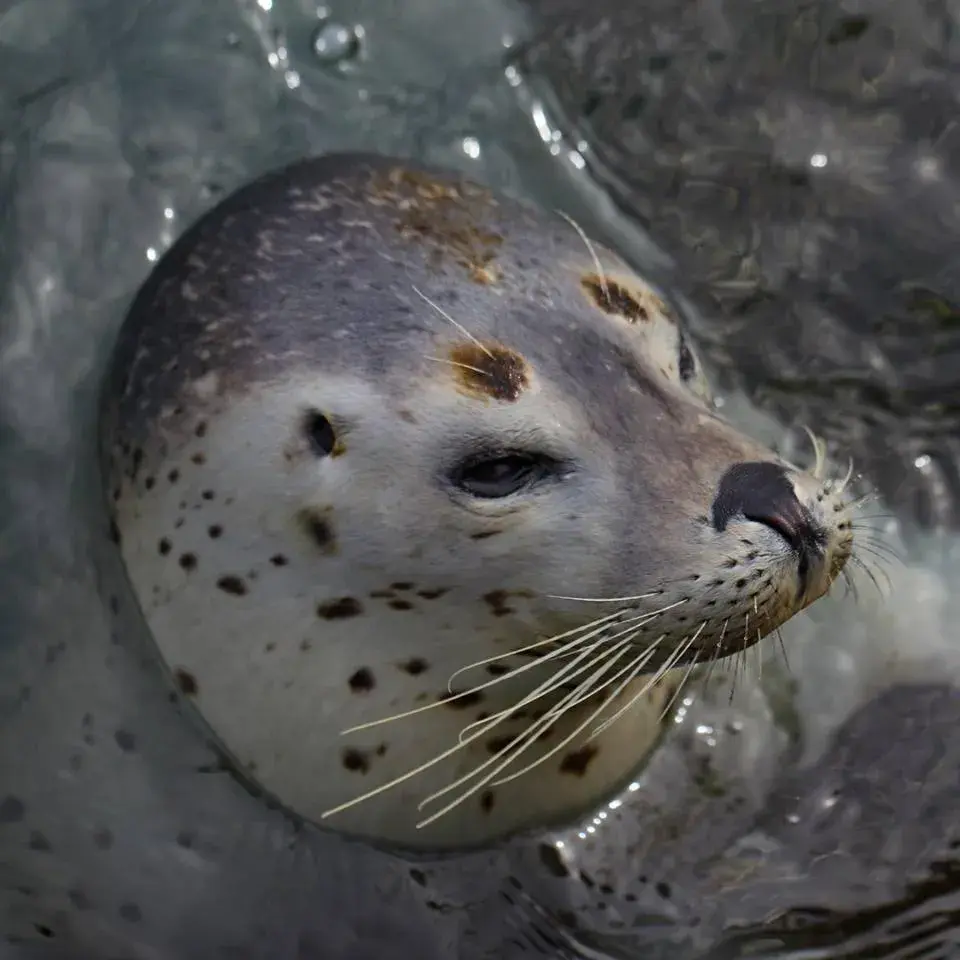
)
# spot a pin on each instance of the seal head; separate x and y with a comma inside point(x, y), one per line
point(380, 444)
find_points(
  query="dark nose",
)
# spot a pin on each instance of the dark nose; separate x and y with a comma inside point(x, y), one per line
point(763, 493)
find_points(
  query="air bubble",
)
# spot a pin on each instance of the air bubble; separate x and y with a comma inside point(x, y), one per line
point(335, 43)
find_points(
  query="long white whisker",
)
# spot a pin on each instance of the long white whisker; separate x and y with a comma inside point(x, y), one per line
point(446, 316)
point(527, 737)
point(601, 274)
point(456, 363)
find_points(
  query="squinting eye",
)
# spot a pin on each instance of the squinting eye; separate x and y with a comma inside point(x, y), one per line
point(499, 476)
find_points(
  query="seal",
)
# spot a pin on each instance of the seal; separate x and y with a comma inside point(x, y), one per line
point(426, 506)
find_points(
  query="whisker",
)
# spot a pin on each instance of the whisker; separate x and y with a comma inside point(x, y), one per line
point(601, 273)
point(642, 596)
point(527, 738)
point(456, 363)
point(565, 675)
point(446, 316)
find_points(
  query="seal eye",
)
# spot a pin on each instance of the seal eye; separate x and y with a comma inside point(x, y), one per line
point(686, 362)
point(320, 433)
point(499, 476)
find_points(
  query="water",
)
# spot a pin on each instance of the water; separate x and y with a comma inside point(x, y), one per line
point(800, 240)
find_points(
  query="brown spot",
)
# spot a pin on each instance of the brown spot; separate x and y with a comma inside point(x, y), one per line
point(279, 560)
point(339, 609)
point(489, 370)
point(400, 604)
point(188, 561)
point(487, 800)
point(432, 594)
point(578, 761)
point(414, 666)
point(214, 531)
point(355, 760)
point(164, 546)
point(199, 459)
point(613, 297)
point(406, 415)
point(497, 744)
point(497, 601)
point(361, 680)
point(232, 584)
point(446, 216)
point(186, 682)
point(319, 530)
point(460, 700)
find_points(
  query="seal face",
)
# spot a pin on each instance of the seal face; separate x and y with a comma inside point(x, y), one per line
point(390, 454)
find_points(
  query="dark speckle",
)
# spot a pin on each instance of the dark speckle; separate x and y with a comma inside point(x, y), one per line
point(613, 297)
point(126, 741)
point(487, 800)
point(43, 930)
point(232, 584)
point(130, 912)
point(114, 531)
point(214, 531)
point(414, 666)
point(497, 669)
point(401, 585)
point(188, 561)
point(339, 609)
point(79, 899)
point(319, 529)
point(279, 560)
point(400, 604)
point(355, 760)
point(208, 494)
point(186, 681)
point(460, 700)
point(496, 744)
point(362, 680)
point(497, 601)
point(103, 839)
point(173, 476)
point(577, 762)
point(201, 429)
point(432, 594)
point(12, 810)
point(164, 546)
point(484, 534)
point(199, 459)
point(39, 842)
point(490, 370)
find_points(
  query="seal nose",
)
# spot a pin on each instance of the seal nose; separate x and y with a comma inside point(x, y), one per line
point(763, 493)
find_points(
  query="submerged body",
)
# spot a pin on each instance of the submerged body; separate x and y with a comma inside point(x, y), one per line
point(378, 443)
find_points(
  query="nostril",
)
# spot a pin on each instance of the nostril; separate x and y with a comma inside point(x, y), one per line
point(762, 492)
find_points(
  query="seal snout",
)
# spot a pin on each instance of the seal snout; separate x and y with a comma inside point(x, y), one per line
point(763, 492)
